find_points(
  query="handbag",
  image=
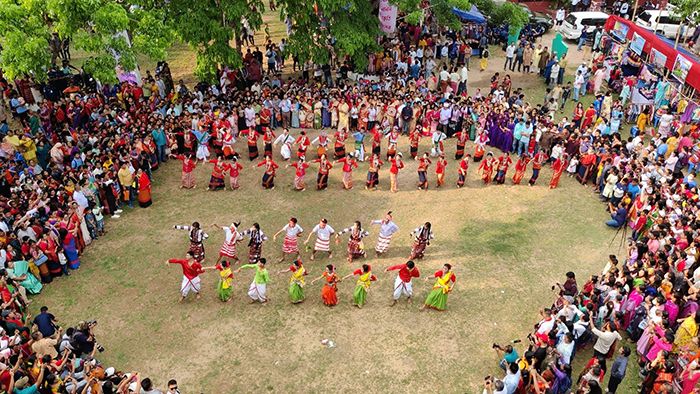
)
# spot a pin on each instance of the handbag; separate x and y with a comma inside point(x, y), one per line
point(62, 258)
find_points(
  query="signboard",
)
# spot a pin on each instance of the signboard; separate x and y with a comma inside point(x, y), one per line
point(681, 68)
point(637, 43)
point(657, 58)
point(387, 16)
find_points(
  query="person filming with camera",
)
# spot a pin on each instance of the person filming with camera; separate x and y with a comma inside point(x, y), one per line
point(83, 340)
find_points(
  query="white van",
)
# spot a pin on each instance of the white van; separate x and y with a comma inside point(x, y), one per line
point(663, 22)
point(576, 22)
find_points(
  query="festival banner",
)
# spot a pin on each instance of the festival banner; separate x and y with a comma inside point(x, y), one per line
point(387, 16)
point(619, 31)
point(681, 68)
point(637, 43)
point(657, 58)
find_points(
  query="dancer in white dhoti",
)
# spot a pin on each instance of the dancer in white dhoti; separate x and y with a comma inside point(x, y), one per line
point(387, 230)
point(286, 140)
point(403, 284)
point(191, 269)
point(323, 233)
point(258, 287)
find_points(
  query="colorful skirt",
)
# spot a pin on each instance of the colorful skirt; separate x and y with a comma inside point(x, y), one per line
point(322, 245)
point(359, 296)
point(296, 292)
point(339, 151)
point(382, 244)
point(290, 245)
point(436, 300)
point(197, 250)
point(228, 249)
point(216, 183)
point(459, 153)
point(355, 249)
point(188, 180)
point(224, 293)
point(299, 183)
point(268, 181)
point(252, 151)
point(254, 253)
point(329, 295)
point(418, 249)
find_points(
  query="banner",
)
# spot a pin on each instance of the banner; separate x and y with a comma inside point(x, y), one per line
point(657, 58)
point(387, 16)
point(619, 31)
point(637, 43)
point(681, 68)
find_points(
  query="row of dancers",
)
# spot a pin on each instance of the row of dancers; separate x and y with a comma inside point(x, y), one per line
point(292, 231)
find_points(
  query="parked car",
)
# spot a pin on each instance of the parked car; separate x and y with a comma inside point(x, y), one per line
point(664, 22)
point(539, 20)
point(576, 22)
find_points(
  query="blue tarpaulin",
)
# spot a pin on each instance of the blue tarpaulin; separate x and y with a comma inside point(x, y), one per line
point(473, 15)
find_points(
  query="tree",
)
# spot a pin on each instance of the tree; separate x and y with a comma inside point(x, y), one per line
point(688, 13)
point(441, 9)
point(511, 14)
point(325, 28)
point(107, 30)
point(210, 26)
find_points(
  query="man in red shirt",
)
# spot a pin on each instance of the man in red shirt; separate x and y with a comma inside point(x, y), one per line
point(403, 283)
point(191, 269)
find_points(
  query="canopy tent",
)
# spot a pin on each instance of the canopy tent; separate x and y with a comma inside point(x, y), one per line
point(472, 16)
point(661, 44)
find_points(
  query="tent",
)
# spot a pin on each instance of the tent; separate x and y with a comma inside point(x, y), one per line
point(472, 16)
point(625, 27)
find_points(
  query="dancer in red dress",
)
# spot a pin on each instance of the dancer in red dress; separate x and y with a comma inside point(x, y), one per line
point(520, 167)
point(302, 142)
point(396, 166)
point(188, 166)
point(462, 170)
point(423, 164)
point(339, 143)
point(413, 141)
point(375, 163)
point(502, 164)
point(558, 168)
point(300, 172)
point(324, 166)
point(349, 163)
point(329, 291)
point(486, 168)
point(234, 171)
point(268, 138)
point(440, 166)
point(268, 178)
point(462, 138)
point(252, 138)
point(537, 162)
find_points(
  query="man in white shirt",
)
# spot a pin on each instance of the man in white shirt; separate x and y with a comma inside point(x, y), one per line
point(605, 339)
point(323, 233)
point(510, 53)
point(565, 348)
point(463, 79)
point(561, 14)
point(578, 84)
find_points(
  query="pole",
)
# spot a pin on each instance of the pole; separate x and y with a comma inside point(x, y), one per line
point(634, 11)
point(678, 35)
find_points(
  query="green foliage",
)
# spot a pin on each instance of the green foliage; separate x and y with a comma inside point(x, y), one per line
point(98, 27)
point(441, 9)
point(345, 28)
point(510, 13)
point(687, 9)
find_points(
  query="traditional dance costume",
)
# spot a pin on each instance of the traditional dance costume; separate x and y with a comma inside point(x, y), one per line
point(197, 237)
point(268, 138)
point(322, 142)
point(258, 287)
point(414, 140)
point(324, 167)
point(234, 171)
point(423, 164)
point(268, 178)
point(329, 291)
point(296, 284)
point(356, 247)
point(387, 230)
point(231, 238)
point(440, 171)
point(537, 162)
point(363, 282)
point(480, 147)
point(393, 137)
point(188, 166)
point(299, 174)
point(291, 239)
point(286, 149)
point(396, 165)
point(302, 143)
point(486, 168)
point(323, 238)
point(503, 164)
point(349, 163)
point(403, 284)
point(190, 276)
point(202, 141)
point(421, 241)
point(462, 171)
point(339, 144)
point(437, 298)
point(225, 286)
point(252, 138)
point(375, 163)
point(257, 237)
point(216, 182)
point(558, 168)
point(520, 167)
point(462, 138)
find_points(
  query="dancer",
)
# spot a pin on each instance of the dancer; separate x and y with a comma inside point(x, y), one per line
point(322, 142)
point(258, 287)
point(375, 163)
point(396, 166)
point(462, 138)
point(329, 291)
point(520, 167)
point(359, 137)
point(356, 247)
point(437, 298)
point(216, 182)
point(202, 141)
point(197, 237)
point(268, 138)
point(349, 163)
point(440, 166)
point(422, 236)
point(558, 168)
point(302, 142)
point(403, 284)
point(257, 237)
point(224, 288)
point(231, 238)
point(191, 268)
point(413, 141)
point(438, 147)
point(286, 140)
point(537, 162)
point(324, 166)
point(339, 143)
point(188, 180)
point(268, 178)
point(504, 161)
point(387, 229)
point(292, 231)
point(486, 168)
point(393, 137)
point(299, 173)
point(480, 145)
point(252, 139)
point(234, 171)
point(364, 280)
point(323, 233)
point(296, 282)
point(462, 170)
point(423, 164)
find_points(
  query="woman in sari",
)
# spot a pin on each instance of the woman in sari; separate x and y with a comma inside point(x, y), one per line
point(330, 288)
point(437, 298)
point(363, 282)
point(422, 236)
point(520, 168)
point(296, 282)
point(686, 332)
point(19, 271)
point(144, 184)
point(558, 167)
point(69, 248)
point(225, 286)
point(356, 248)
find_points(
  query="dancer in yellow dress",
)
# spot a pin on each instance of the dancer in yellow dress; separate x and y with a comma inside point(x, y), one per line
point(363, 283)
point(437, 299)
point(296, 282)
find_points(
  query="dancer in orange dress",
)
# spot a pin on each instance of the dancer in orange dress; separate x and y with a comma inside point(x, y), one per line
point(462, 170)
point(188, 166)
point(558, 167)
point(423, 164)
point(440, 166)
point(349, 163)
point(324, 167)
point(486, 168)
point(520, 167)
point(329, 291)
point(268, 178)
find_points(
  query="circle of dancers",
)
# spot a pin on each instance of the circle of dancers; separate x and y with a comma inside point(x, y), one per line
point(192, 264)
point(491, 169)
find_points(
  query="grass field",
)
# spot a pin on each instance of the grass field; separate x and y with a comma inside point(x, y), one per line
point(508, 245)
